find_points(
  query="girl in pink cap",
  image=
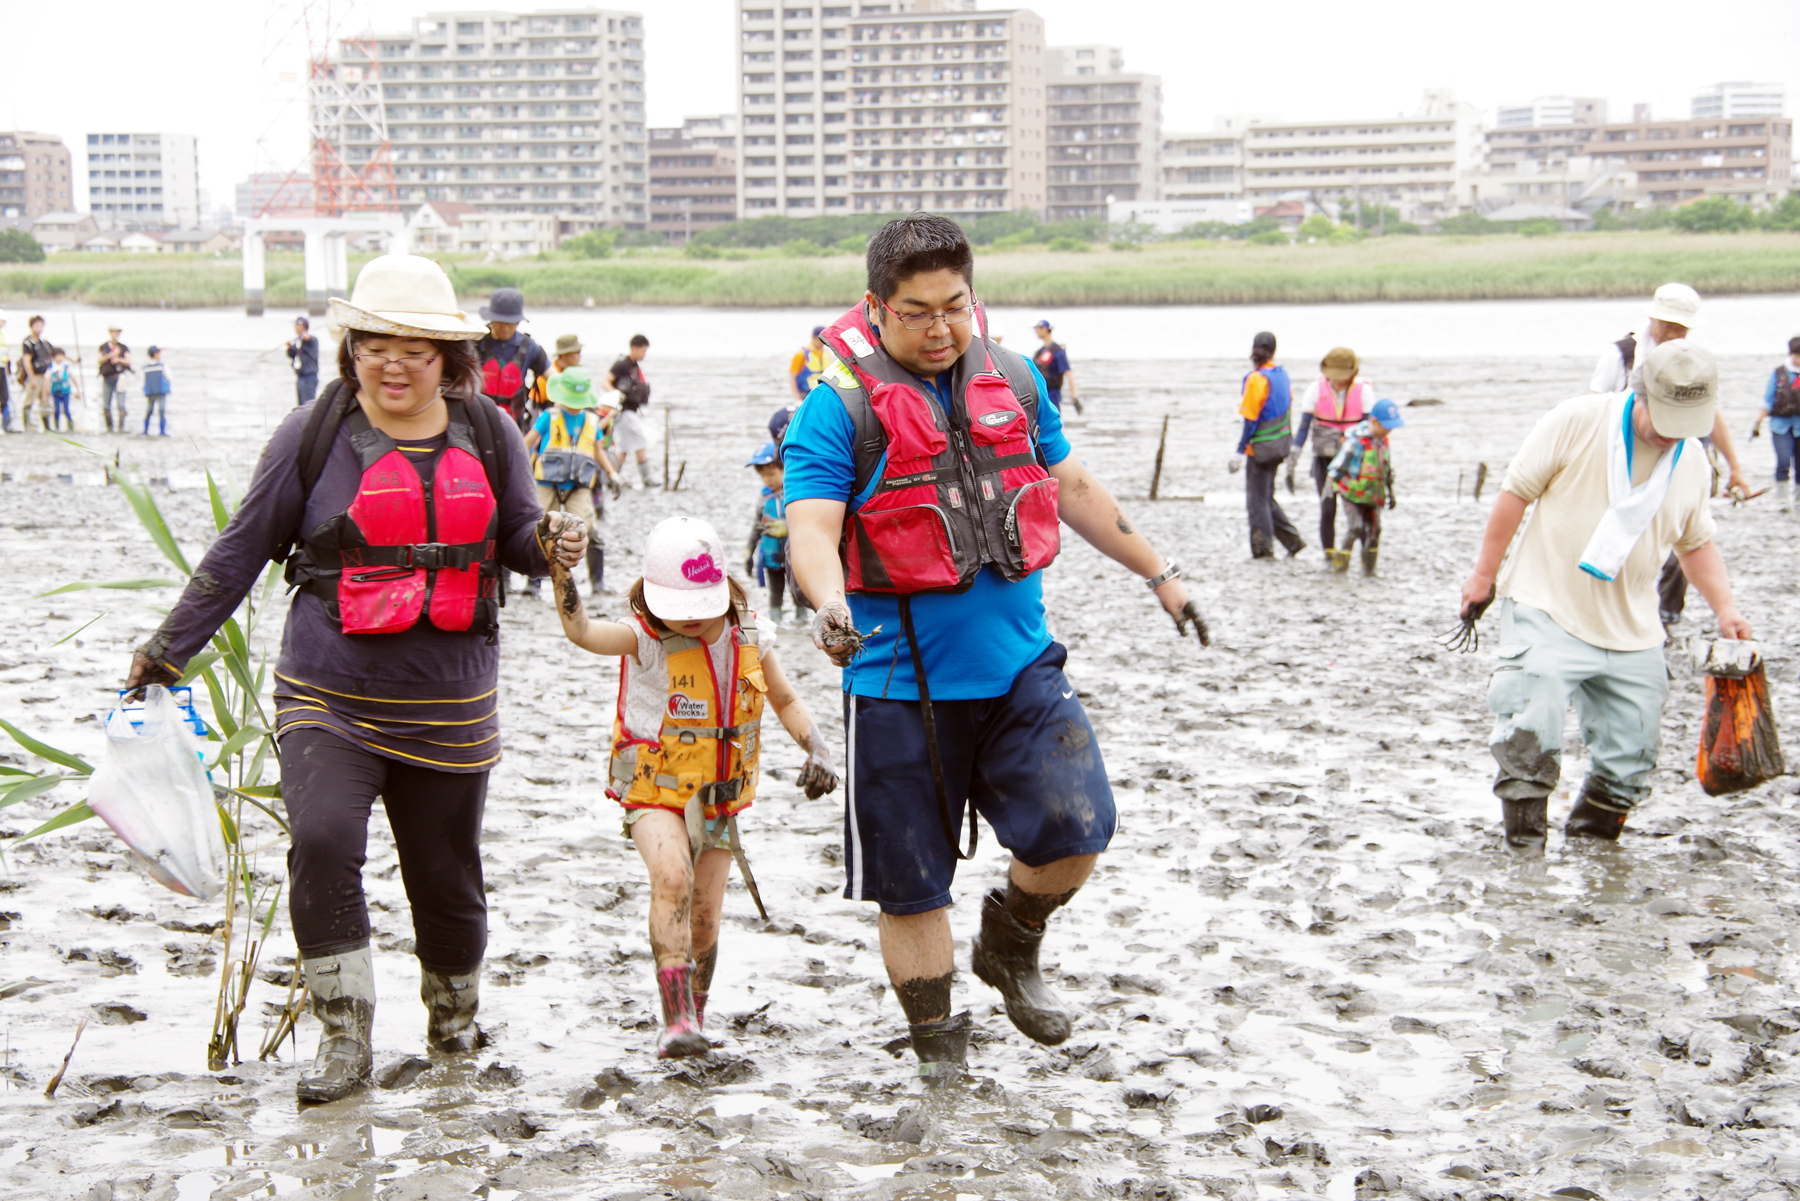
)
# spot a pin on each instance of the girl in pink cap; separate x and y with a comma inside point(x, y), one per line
point(697, 668)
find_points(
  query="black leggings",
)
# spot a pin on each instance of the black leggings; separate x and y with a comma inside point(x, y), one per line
point(1328, 502)
point(329, 788)
point(778, 584)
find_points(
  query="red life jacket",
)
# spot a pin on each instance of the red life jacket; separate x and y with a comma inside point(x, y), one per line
point(401, 552)
point(503, 380)
point(958, 490)
point(1339, 411)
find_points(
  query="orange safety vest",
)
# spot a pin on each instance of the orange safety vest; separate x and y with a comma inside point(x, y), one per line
point(693, 755)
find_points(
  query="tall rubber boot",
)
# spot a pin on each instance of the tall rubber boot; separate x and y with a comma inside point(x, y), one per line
point(942, 1049)
point(450, 1005)
point(1527, 824)
point(681, 1035)
point(1005, 957)
point(342, 990)
point(1784, 495)
point(1340, 560)
point(1369, 558)
point(1261, 547)
point(1591, 818)
point(644, 474)
point(596, 565)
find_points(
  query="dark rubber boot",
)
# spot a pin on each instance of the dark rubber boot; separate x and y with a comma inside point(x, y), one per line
point(1527, 824)
point(942, 1048)
point(596, 565)
point(1590, 819)
point(681, 1035)
point(342, 989)
point(1006, 957)
point(451, 1002)
point(1260, 545)
point(1369, 558)
point(1293, 543)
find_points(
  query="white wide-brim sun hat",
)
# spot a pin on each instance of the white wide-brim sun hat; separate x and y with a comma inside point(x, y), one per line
point(684, 571)
point(404, 296)
point(1677, 304)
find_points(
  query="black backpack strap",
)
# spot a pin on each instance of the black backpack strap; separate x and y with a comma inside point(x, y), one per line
point(1627, 351)
point(322, 422)
point(483, 417)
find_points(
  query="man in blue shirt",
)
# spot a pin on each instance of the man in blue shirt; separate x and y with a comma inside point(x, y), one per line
point(995, 724)
point(1781, 405)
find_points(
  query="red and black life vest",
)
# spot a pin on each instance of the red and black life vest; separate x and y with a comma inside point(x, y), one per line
point(404, 551)
point(503, 379)
point(1787, 394)
point(958, 489)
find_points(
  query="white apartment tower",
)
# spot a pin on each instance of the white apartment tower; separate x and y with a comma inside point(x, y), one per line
point(1730, 101)
point(539, 112)
point(793, 110)
point(947, 109)
point(143, 180)
point(1103, 133)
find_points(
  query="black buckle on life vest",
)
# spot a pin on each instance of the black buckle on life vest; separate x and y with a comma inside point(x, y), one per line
point(721, 792)
point(434, 556)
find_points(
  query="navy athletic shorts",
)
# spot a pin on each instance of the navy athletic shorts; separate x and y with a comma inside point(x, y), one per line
point(1029, 759)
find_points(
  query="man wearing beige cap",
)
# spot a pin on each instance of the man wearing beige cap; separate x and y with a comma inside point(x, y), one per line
point(1673, 311)
point(1619, 480)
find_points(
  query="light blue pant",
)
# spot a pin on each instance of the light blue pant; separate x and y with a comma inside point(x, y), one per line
point(1618, 697)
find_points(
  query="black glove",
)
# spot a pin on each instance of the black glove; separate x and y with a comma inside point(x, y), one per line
point(145, 671)
point(1191, 612)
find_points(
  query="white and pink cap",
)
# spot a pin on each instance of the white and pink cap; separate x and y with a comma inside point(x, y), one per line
point(684, 571)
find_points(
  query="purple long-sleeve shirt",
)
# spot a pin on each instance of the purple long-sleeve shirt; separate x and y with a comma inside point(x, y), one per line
point(423, 696)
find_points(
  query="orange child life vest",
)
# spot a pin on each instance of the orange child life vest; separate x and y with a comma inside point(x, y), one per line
point(693, 755)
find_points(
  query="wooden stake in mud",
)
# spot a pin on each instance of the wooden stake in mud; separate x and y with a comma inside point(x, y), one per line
point(680, 474)
point(666, 487)
point(1162, 444)
point(1480, 480)
point(56, 1080)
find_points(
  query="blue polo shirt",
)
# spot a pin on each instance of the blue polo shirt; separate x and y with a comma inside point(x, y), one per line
point(974, 643)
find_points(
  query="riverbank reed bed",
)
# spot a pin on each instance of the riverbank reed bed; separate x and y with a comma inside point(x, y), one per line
point(1434, 268)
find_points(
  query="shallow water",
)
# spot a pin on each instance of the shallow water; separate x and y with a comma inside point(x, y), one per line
point(1305, 968)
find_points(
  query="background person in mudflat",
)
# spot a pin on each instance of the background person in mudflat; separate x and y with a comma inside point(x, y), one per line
point(1781, 408)
point(1266, 408)
point(115, 362)
point(303, 356)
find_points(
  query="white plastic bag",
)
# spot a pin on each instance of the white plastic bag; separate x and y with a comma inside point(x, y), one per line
point(153, 791)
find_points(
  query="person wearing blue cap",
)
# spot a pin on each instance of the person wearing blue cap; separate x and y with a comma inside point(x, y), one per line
point(1053, 363)
point(1363, 474)
point(766, 556)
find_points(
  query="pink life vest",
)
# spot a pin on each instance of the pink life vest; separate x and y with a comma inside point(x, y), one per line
point(1339, 412)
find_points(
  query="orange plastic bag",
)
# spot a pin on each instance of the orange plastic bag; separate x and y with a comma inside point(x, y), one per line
point(1739, 748)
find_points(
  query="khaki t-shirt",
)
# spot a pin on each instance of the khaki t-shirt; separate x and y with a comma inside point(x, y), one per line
point(1562, 466)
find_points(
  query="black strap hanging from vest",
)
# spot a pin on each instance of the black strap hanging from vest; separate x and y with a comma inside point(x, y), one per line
point(931, 743)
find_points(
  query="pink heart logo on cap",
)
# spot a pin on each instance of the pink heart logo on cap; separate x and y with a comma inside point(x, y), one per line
point(701, 569)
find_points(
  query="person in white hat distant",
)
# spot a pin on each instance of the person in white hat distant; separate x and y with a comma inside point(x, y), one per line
point(698, 668)
point(1620, 481)
point(1672, 312)
point(399, 490)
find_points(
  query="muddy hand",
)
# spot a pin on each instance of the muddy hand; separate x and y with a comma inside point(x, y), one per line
point(563, 539)
point(818, 776)
point(1191, 612)
point(145, 671)
point(835, 633)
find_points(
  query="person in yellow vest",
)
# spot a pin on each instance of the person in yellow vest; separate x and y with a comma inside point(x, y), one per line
point(567, 462)
point(697, 669)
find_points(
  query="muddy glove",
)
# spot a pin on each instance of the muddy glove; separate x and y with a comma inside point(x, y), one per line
point(145, 671)
point(1236, 465)
point(563, 539)
point(1191, 612)
point(818, 776)
point(835, 633)
point(615, 487)
point(1465, 637)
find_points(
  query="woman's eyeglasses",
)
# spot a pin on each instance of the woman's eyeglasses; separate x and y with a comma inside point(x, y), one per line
point(409, 363)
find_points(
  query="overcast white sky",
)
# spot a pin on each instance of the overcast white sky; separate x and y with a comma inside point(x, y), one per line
point(216, 68)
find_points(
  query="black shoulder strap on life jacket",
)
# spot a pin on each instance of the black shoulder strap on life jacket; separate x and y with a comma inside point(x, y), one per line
point(869, 440)
point(1627, 351)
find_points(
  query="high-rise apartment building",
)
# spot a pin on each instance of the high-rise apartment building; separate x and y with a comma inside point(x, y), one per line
point(1750, 159)
point(1103, 132)
point(793, 107)
point(1424, 165)
point(947, 110)
point(693, 176)
point(1552, 110)
point(143, 180)
point(1734, 101)
point(34, 175)
point(539, 112)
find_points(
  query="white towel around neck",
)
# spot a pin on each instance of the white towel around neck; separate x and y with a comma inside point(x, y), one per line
point(1630, 509)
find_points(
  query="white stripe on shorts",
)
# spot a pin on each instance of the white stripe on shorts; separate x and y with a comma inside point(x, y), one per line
point(855, 848)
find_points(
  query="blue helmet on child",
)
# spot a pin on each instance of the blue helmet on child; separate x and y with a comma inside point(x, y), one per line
point(1388, 413)
point(765, 454)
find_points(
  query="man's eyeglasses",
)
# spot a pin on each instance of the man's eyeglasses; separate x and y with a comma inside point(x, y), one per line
point(410, 363)
point(958, 316)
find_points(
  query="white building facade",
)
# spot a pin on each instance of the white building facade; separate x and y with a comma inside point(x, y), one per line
point(143, 180)
point(1203, 166)
point(1552, 110)
point(793, 108)
point(1103, 133)
point(1733, 101)
point(539, 112)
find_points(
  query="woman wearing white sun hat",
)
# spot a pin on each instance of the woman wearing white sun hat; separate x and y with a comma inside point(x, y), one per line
point(399, 492)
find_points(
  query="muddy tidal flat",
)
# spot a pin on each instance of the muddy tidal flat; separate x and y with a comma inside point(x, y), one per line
point(1306, 968)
